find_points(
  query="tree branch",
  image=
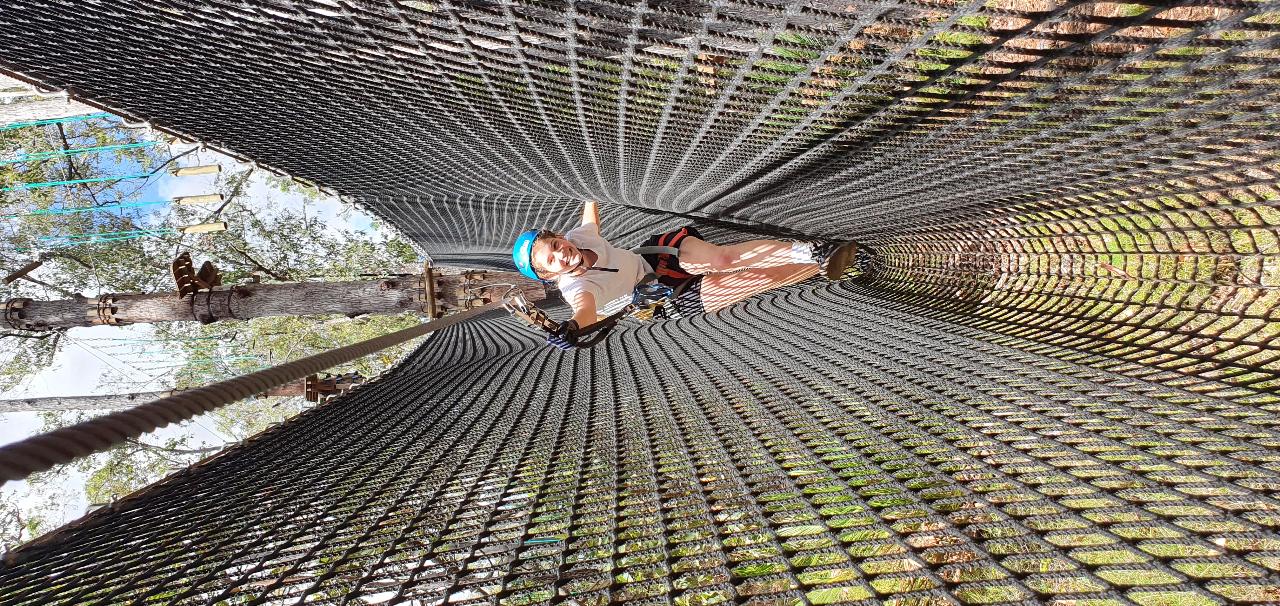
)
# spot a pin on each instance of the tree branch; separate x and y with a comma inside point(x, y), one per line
point(20, 335)
point(235, 192)
point(257, 264)
point(111, 183)
point(170, 161)
point(72, 171)
point(58, 289)
point(168, 449)
point(24, 272)
point(65, 255)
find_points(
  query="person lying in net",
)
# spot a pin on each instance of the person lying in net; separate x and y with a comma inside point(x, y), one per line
point(597, 278)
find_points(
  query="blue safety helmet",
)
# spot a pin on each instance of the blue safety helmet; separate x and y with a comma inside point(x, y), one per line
point(522, 253)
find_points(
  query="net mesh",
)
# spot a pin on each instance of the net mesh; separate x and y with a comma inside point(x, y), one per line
point(1057, 387)
point(820, 445)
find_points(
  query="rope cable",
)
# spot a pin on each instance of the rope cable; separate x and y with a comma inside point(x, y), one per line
point(40, 453)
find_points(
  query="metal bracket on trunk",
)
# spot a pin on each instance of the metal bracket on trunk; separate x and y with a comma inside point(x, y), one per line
point(13, 312)
point(106, 310)
point(467, 291)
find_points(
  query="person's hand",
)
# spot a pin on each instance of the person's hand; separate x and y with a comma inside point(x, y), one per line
point(566, 337)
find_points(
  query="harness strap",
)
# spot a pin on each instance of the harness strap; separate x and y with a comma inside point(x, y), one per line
point(644, 250)
point(657, 250)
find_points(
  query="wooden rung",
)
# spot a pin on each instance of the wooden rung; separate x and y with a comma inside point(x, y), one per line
point(201, 199)
point(206, 169)
point(204, 228)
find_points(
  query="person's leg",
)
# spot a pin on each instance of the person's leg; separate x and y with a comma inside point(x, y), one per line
point(720, 290)
point(701, 257)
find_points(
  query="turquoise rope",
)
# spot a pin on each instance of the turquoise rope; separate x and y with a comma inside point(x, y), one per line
point(85, 209)
point(110, 236)
point(38, 156)
point(126, 232)
point(13, 125)
point(72, 182)
point(96, 241)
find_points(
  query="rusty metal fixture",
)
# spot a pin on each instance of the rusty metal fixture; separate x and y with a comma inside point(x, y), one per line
point(190, 280)
point(471, 293)
point(42, 452)
point(320, 388)
point(13, 313)
point(183, 275)
point(311, 389)
point(106, 310)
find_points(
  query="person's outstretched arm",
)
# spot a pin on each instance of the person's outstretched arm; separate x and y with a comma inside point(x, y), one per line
point(584, 309)
point(566, 337)
point(591, 214)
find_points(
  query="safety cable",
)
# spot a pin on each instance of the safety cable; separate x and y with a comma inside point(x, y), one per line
point(42, 452)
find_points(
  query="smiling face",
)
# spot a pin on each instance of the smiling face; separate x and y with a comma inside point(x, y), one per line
point(555, 256)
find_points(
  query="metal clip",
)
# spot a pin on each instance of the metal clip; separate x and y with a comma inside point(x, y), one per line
point(467, 290)
point(106, 309)
point(520, 307)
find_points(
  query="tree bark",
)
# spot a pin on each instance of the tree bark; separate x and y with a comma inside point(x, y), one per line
point(384, 296)
point(106, 402)
point(123, 400)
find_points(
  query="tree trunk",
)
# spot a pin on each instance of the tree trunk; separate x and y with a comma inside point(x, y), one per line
point(106, 402)
point(385, 296)
point(124, 400)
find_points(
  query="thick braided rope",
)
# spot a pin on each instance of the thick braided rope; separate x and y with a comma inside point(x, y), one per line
point(42, 452)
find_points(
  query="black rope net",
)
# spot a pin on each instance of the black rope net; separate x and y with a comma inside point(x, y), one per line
point(1059, 387)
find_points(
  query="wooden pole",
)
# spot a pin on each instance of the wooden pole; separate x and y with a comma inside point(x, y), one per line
point(386, 296)
point(100, 402)
point(190, 171)
point(201, 199)
point(204, 228)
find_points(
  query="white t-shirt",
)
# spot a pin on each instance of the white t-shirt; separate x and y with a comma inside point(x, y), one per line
point(612, 290)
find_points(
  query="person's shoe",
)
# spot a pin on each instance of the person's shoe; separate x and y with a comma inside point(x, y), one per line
point(834, 257)
point(865, 261)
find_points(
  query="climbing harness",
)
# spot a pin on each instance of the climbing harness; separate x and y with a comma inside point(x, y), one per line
point(647, 296)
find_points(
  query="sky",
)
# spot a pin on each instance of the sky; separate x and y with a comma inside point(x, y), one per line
point(331, 209)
